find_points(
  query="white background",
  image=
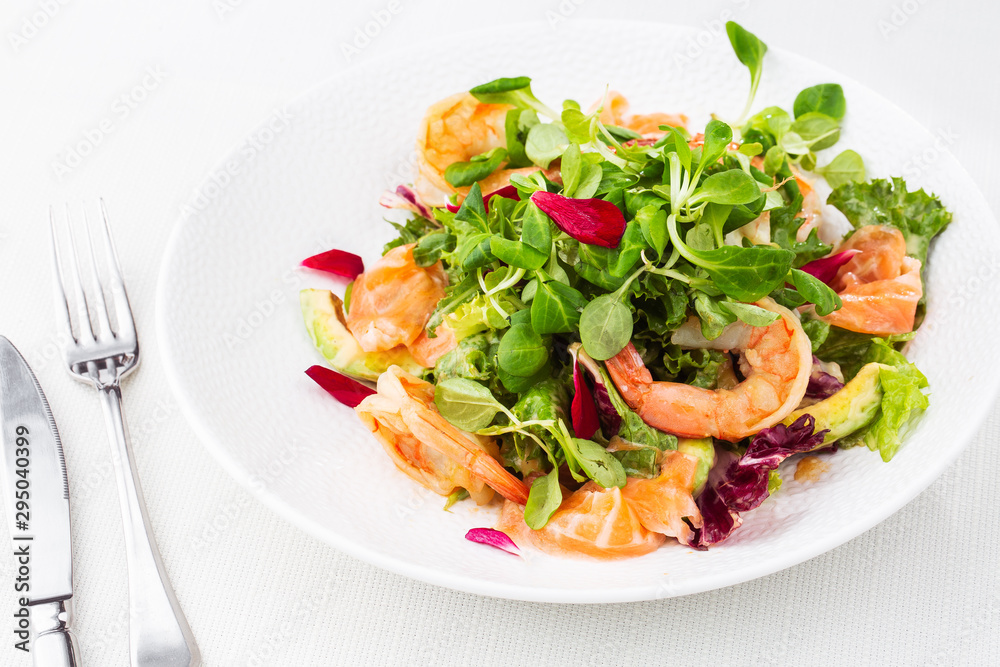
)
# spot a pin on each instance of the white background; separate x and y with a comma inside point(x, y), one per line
point(921, 588)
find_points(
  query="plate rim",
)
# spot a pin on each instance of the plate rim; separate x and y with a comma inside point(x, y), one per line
point(513, 591)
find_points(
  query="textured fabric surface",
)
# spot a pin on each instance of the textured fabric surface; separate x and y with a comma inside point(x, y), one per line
point(137, 102)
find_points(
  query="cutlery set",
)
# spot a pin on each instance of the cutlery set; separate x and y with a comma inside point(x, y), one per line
point(103, 347)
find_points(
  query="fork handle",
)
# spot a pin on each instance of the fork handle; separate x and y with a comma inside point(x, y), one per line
point(158, 632)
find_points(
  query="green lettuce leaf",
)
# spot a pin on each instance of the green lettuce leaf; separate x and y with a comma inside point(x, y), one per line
point(477, 315)
point(918, 215)
point(847, 348)
point(474, 358)
point(903, 400)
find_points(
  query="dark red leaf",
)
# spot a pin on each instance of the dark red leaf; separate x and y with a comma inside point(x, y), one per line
point(608, 416)
point(592, 221)
point(493, 538)
point(583, 410)
point(822, 384)
point(773, 445)
point(611, 421)
point(718, 520)
point(344, 389)
point(825, 268)
point(339, 263)
point(507, 192)
point(740, 484)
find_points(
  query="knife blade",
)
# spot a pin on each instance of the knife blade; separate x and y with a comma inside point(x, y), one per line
point(36, 493)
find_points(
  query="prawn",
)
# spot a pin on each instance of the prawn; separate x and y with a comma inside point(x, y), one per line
point(430, 449)
point(456, 129)
point(591, 522)
point(880, 286)
point(775, 361)
point(615, 112)
point(392, 301)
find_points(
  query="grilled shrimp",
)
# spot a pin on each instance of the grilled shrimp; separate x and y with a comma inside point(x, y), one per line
point(775, 361)
point(392, 301)
point(430, 449)
point(454, 130)
point(880, 286)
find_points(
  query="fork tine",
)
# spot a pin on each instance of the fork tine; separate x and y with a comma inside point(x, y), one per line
point(62, 305)
point(123, 310)
point(100, 304)
point(81, 298)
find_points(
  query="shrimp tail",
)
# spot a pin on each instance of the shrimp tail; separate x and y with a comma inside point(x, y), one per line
point(430, 425)
point(487, 468)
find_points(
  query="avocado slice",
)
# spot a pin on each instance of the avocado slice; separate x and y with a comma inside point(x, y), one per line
point(850, 409)
point(323, 312)
point(702, 449)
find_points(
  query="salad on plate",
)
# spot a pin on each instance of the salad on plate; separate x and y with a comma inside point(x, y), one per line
point(617, 326)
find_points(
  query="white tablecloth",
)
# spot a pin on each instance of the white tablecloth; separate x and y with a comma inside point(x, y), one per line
point(137, 101)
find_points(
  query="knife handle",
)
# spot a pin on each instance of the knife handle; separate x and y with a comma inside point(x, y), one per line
point(54, 645)
point(158, 632)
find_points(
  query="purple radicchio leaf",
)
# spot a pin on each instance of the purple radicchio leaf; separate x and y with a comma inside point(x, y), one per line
point(493, 538)
point(611, 421)
point(738, 485)
point(822, 384)
point(718, 520)
point(404, 197)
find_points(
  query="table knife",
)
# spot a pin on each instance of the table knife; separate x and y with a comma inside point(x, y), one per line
point(36, 494)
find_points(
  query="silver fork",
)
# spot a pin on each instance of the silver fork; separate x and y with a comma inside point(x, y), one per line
point(101, 355)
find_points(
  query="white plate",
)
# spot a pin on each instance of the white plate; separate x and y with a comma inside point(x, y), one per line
point(309, 179)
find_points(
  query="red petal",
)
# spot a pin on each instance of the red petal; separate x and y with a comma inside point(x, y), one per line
point(583, 410)
point(337, 262)
point(825, 268)
point(507, 192)
point(592, 221)
point(344, 389)
point(493, 538)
